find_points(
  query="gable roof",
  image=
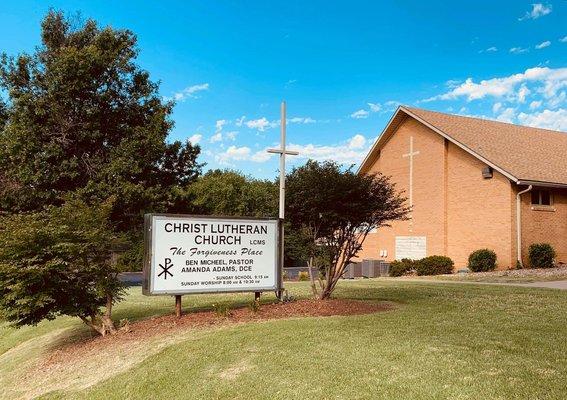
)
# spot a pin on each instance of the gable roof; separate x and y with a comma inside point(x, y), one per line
point(523, 154)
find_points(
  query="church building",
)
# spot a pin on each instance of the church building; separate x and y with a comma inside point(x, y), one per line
point(471, 184)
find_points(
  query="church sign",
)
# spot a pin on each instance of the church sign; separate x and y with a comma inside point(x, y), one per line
point(412, 247)
point(201, 254)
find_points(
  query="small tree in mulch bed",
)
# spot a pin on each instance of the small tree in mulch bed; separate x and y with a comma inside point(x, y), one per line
point(332, 210)
point(57, 262)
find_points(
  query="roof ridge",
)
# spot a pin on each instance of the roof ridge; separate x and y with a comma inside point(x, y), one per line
point(478, 118)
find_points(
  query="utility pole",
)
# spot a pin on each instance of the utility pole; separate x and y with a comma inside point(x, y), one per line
point(282, 152)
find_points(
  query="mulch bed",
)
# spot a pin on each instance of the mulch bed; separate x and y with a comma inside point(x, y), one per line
point(169, 324)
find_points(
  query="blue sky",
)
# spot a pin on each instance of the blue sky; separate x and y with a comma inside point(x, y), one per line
point(342, 67)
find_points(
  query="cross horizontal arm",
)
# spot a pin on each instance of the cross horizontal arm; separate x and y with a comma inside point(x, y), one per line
point(280, 151)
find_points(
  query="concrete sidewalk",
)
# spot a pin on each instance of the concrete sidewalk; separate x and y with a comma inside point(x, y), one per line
point(550, 284)
point(561, 285)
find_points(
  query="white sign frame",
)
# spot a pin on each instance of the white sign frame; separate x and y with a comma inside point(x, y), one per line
point(150, 263)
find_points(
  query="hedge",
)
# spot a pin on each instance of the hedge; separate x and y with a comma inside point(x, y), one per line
point(434, 265)
point(541, 255)
point(482, 260)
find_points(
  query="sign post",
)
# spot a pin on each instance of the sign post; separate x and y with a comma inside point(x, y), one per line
point(282, 152)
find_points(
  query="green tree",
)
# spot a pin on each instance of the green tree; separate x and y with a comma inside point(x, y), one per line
point(83, 117)
point(336, 209)
point(57, 262)
point(226, 192)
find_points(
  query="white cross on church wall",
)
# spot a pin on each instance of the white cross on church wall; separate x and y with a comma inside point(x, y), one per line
point(411, 154)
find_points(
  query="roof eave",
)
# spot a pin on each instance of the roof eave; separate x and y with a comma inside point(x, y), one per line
point(364, 167)
point(542, 184)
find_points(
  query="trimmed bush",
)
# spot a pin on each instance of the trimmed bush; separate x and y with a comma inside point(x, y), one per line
point(542, 255)
point(303, 276)
point(434, 265)
point(401, 267)
point(482, 260)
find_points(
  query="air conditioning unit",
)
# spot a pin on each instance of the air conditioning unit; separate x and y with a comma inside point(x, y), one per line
point(353, 270)
point(371, 268)
point(375, 268)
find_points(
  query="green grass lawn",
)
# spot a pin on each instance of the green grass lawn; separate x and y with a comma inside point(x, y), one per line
point(440, 342)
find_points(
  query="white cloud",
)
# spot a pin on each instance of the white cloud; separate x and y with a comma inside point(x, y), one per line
point(219, 124)
point(301, 120)
point(452, 83)
point(507, 115)
point(522, 93)
point(496, 107)
point(359, 114)
point(556, 101)
point(357, 142)
point(543, 45)
point(538, 10)
point(261, 156)
point(196, 138)
point(217, 137)
point(391, 105)
point(341, 153)
point(535, 104)
point(563, 39)
point(518, 50)
point(231, 135)
point(260, 124)
point(489, 50)
point(244, 153)
point(374, 107)
point(233, 153)
point(556, 120)
point(189, 92)
point(240, 121)
point(351, 151)
point(543, 80)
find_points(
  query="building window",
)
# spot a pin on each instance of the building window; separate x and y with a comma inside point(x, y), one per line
point(541, 197)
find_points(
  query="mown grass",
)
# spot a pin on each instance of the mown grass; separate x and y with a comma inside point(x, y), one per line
point(441, 342)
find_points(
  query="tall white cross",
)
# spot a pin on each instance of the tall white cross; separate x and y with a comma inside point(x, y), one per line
point(282, 152)
point(410, 155)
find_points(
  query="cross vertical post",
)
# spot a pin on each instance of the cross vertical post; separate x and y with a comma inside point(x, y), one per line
point(282, 152)
point(410, 155)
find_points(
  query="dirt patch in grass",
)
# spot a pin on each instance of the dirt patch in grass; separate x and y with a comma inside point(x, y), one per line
point(77, 363)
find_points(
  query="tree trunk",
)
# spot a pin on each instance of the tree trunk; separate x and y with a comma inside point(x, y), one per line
point(102, 324)
point(311, 278)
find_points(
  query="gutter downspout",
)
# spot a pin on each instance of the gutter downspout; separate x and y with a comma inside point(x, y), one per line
point(519, 224)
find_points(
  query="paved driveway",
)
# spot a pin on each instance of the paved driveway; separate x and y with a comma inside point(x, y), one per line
point(561, 285)
point(551, 284)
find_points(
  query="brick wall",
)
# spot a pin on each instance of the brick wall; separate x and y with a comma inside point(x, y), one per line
point(428, 193)
point(545, 224)
point(454, 207)
point(478, 210)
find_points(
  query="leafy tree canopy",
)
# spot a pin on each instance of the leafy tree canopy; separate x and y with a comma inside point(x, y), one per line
point(82, 117)
point(56, 262)
point(226, 192)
